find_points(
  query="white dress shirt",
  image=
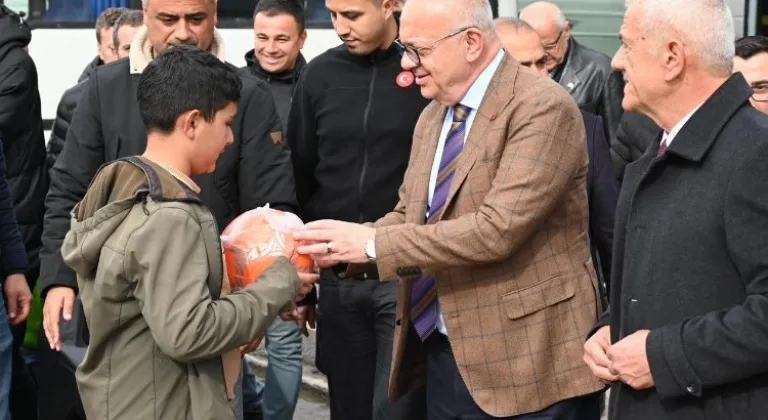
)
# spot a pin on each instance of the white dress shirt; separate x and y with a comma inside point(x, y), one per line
point(472, 99)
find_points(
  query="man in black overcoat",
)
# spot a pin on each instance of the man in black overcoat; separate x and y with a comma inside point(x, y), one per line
point(686, 337)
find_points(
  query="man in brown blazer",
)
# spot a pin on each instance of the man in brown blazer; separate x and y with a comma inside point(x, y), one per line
point(492, 219)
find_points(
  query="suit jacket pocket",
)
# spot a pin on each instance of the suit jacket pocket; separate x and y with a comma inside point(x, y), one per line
point(524, 302)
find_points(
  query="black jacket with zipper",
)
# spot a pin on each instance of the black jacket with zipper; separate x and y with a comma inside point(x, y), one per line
point(350, 130)
point(21, 127)
point(281, 84)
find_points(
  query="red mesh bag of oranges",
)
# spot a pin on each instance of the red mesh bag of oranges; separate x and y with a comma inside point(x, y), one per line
point(255, 239)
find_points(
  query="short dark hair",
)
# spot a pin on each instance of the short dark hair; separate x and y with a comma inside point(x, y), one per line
point(282, 7)
point(107, 19)
point(749, 46)
point(181, 79)
point(132, 18)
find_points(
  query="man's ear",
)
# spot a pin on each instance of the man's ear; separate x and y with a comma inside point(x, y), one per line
point(189, 123)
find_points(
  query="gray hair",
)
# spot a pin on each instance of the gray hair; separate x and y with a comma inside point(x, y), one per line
point(559, 16)
point(709, 34)
point(478, 13)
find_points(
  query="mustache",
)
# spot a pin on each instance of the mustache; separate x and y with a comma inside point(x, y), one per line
point(189, 42)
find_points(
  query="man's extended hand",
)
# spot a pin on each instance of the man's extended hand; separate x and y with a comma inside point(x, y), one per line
point(19, 298)
point(629, 360)
point(595, 357)
point(60, 300)
point(334, 242)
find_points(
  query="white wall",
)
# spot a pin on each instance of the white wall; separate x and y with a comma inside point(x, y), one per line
point(61, 55)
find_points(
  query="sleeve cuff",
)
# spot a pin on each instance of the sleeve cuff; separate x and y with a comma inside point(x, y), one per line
point(672, 372)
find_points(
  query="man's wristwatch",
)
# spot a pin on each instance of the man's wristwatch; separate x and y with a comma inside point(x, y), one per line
point(370, 251)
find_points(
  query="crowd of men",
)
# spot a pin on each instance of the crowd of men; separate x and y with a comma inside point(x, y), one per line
point(478, 193)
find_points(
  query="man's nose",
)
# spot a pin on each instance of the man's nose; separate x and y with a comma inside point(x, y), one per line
point(181, 32)
point(341, 27)
point(406, 63)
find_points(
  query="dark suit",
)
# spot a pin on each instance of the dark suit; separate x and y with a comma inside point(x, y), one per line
point(602, 193)
point(690, 265)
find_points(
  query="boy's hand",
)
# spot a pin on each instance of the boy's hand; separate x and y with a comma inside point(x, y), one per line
point(307, 281)
point(59, 302)
point(252, 346)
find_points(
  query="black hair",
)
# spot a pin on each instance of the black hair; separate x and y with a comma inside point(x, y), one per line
point(749, 46)
point(181, 79)
point(282, 7)
point(133, 18)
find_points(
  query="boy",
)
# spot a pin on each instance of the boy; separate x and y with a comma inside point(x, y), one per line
point(164, 333)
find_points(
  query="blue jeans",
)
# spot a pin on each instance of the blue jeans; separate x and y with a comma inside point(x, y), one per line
point(283, 382)
point(6, 357)
point(276, 399)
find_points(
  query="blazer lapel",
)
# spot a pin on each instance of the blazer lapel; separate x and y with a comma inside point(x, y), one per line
point(428, 150)
point(497, 96)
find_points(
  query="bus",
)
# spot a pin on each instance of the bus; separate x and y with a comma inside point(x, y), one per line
point(64, 42)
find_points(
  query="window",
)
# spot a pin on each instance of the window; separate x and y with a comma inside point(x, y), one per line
point(69, 11)
point(232, 13)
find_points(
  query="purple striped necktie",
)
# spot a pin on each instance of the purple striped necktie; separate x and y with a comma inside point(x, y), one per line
point(663, 146)
point(423, 291)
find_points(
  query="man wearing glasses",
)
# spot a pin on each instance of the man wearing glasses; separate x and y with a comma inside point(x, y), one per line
point(350, 129)
point(489, 236)
point(752, 61)
point(585, 73)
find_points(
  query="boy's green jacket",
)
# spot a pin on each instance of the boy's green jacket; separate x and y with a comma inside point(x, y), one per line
point(149, 268)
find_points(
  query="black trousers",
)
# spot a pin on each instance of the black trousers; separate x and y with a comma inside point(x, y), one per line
point(355, 326)
point(449, 399)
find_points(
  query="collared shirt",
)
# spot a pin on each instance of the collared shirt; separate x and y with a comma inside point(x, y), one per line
point(668, 137)
point(472, 99)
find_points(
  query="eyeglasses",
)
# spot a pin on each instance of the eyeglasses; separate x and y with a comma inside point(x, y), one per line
point(551, 46)
point(414, 53)
point(760, 92)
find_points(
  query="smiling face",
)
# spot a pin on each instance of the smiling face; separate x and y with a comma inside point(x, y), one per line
point(439, 51)
point(173, 22)
point(278, 41)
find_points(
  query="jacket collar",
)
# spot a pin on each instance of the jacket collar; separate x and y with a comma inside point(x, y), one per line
point(700, 132)
point(141, 50)
point(289, 76)
point(574, 65)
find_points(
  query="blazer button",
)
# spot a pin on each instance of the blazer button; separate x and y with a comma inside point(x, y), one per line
point(691, 389)
point(342, 275)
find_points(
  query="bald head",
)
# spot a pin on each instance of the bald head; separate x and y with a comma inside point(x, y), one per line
point(554, 30)
point(522, 43)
